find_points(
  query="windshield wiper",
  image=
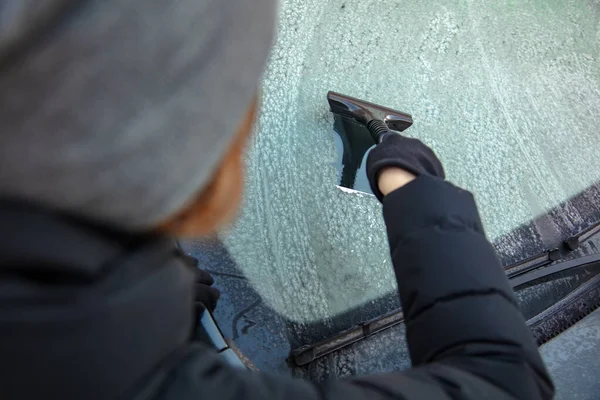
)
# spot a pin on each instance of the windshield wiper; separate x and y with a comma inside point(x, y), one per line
point(308, 353)
point(550, 256)
point(532, 276)
point(521, 273)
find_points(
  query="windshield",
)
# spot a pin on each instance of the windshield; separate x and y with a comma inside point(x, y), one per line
point(507, 93)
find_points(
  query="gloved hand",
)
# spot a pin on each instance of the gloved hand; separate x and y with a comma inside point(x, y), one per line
point(206, 296)
point(205, 293)
point(402, 152)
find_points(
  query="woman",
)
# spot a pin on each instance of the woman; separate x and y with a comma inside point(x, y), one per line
point(124, 124)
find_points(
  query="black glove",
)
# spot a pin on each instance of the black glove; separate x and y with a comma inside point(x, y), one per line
point(205, 293)
point(402, 152)
point(206, 296)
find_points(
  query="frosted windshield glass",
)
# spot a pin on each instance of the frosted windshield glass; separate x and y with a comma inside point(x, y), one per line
point(507, 93)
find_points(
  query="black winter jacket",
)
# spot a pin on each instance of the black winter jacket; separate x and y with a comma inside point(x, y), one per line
point(86, 313)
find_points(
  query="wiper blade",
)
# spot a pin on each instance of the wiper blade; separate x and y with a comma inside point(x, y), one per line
point(531, 263)
point(553, 269)
point(308, 353)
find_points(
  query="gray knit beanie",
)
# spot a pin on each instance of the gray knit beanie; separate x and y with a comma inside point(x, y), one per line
point(120, 110)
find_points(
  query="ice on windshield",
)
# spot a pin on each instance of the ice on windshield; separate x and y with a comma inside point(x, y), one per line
point(507, 93)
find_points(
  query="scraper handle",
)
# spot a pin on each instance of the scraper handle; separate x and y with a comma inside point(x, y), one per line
point(379, 130)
